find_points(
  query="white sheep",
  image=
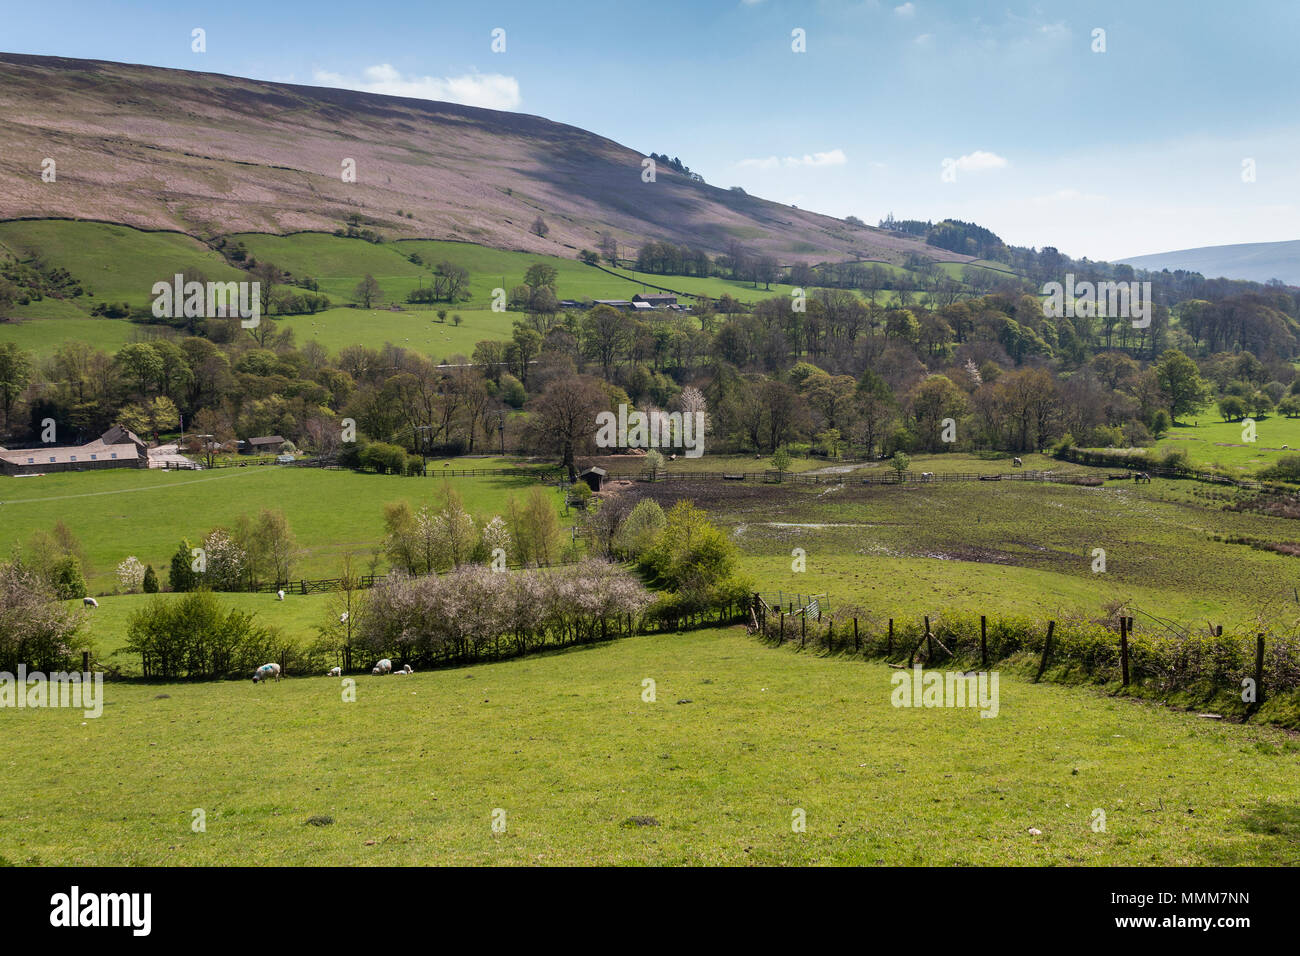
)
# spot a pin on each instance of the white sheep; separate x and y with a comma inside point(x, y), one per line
point(90, 602)
point(335, 672)
point(279, 595)
point(266, 672)
point(383, 667)
point(406, 669)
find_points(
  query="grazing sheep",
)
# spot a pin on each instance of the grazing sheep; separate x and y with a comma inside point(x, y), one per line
point(927, 476)
point(383, 667)
point(90, 602)
point(266, 672)
point(1017, 463)
point(406, 669)
point(343, 618)
point(279, 595)
point(335, 672)
point(1141, 476)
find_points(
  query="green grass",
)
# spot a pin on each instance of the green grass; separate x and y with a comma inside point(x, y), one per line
point(118, 263)
point(114, 263)
point(146, 513)
point(414, 328)
point(42, 336)
point(413, 770)
point(1213, 443)
point(104, 627)
point(1011, 546)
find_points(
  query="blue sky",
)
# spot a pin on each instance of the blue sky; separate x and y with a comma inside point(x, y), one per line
point(1134, 150)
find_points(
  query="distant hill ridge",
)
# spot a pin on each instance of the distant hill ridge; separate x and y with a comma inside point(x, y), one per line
point(1256, 261)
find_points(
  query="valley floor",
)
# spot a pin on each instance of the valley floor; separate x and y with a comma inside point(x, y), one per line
point(563, 751)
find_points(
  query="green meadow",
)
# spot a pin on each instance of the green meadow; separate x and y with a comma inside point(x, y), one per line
point(1019, 546)
point(742, 742)
point(1211, 442)
point(117, 263)
point(119, 513)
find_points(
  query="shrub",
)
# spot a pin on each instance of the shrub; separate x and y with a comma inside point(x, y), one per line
point(69, 582)
point(150, 583)
point(195, 636)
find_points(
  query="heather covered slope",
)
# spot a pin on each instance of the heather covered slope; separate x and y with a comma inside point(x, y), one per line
point(209, 155)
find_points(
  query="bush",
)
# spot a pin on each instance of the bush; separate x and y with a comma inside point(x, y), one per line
point(69, 582)
point(35, 629)
point(182, 576)
point(195, 636)
point(1176, 459)
point(150, 583)
point(512, 391)
point(1287, 468)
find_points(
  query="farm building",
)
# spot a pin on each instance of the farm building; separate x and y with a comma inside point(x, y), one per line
point(594, 477)
point(117, 435)
point(642, 307)
point(622, 305)
point(656, 300)
point(265, 445)
point(116, 448)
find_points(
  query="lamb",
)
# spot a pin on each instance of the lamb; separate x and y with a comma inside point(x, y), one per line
point(89, 602)
point(335, 672)
point(927, 476)
point(279, 595)
point(383, 667)
point(1017, 463)
point(406, 669)
point(266, 672)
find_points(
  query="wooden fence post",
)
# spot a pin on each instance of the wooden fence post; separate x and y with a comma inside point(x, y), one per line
point(984, 641)
point(889, 652)
point(830, 636)
point(803, 628)
point(1123, 648)
point(929, 642)
point(85, 662)
point(857, 644)
point(781, 639)
point(1047, 651)
point(1259, 670)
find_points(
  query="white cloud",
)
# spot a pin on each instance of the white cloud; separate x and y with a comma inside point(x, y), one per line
point(980, 161)
point(489, 90)
point(924, 39)
point(833, 157)
point(907, 10)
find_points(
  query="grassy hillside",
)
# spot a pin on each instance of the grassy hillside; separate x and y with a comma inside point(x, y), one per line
point(117, 264)
point(741, 737)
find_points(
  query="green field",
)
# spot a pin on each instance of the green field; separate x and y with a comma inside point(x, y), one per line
point(741, 738)
point(114, 263)
point(1011, 546)
point(415, 328)
point(104, 627)
point(118, 263)
point(146, 513)
point(1213, 443)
